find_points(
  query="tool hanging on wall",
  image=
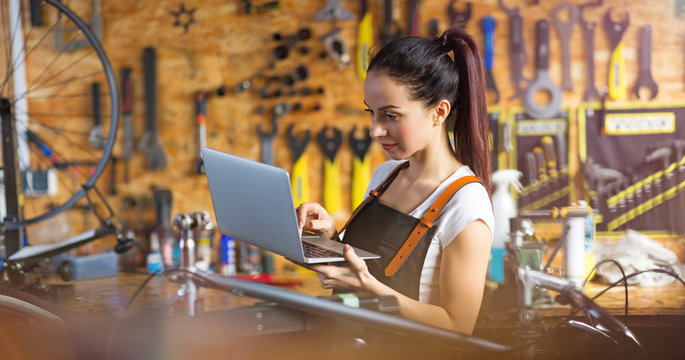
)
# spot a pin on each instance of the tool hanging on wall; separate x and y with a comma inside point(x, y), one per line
point(361, 165)
point(201, 117)
point(183, 17)
point(542, 81)
point(392, 30)
point(127, 119)
point(333, 11)
point(96, 138)
point(62, 32)
point(300, 173)
point(364, 39)
point(589, 41)
point(149, 143)
point(413, 20)
point(331, 187)
point(645, 76)
point(565, 30)
point(282, 51)
point(459, 18)
point(518, 56)
point(113, 175)
point(488, 26)
point(251, 8)
point(267, 138)
point(617, 76)
point(336, 47)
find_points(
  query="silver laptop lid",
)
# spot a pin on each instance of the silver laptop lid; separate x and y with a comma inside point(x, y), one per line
point(253, 202)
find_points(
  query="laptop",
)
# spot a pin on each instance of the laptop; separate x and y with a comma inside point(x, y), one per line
point(253, 203)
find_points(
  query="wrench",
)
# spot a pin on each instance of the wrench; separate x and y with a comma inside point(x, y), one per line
point(267, 138)
point(645, 79)
point(459, 18)
point(589, 37)
point(488, 25)
point(333, 11)
point(389, 34)
point(542, 80)
point(517, 49)
point(565, 29)
point(617, 82)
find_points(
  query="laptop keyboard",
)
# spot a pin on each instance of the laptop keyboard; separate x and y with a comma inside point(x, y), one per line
point(313, 251)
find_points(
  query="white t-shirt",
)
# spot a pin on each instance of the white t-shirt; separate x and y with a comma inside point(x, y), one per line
point(469, 204)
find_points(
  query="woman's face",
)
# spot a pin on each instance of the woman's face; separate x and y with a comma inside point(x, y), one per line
point(401, 125)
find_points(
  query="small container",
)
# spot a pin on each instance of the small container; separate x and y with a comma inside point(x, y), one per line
point(227, 257)
point(153, 260)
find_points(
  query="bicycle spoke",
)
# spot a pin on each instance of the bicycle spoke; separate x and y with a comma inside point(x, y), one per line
point(26, 52)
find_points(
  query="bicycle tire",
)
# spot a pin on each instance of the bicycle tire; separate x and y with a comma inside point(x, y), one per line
point(65, 12)
point(28, 320)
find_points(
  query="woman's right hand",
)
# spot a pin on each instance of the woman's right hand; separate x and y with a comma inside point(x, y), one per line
point(313, 217)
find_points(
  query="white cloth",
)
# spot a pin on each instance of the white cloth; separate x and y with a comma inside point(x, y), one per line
point(469, 204)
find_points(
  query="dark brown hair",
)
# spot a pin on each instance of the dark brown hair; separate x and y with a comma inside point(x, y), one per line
point(430, 74)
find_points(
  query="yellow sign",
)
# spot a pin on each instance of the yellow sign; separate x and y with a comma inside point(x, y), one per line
point(640, 124)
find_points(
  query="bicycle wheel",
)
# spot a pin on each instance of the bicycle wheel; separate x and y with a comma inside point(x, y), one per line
point(32, 328)
point(57, 80)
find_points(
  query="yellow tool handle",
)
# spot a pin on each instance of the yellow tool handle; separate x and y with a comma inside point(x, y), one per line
point(364, 43)
point(617, 74)
point(361, 176)
point(331, 186)
point(300, 180)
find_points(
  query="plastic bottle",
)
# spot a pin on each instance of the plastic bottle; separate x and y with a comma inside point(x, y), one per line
point(504, 208)
point(154, 257)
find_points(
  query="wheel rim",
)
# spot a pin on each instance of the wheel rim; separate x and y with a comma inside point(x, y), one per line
point(100, 158)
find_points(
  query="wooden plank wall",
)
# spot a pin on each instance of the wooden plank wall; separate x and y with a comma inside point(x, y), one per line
point(227, 46)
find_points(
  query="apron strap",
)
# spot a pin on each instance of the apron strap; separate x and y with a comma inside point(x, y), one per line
point(374, 194)
point(426, 223)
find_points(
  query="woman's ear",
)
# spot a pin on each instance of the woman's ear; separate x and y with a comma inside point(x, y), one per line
point(442, 109)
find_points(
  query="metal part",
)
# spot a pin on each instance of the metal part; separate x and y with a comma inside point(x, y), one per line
point(645, 78)
point(96, 138)
point(330, 145)
point(184, 17)
point(333, 11)
point(74, 44)
point(542, 81)
point(565, 29)
point(517, 50)
point(459, 18)
point(488, 26)
point(589, 42)
point(615, 31)
point(336, 47)
point(392, 30)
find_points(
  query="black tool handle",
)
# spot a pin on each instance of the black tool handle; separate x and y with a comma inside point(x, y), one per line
point(589, 40)
point(530, 171)
point(413, 17)
point(542, 50)
point(126, 91)
point(646, 50)
point(388, 16)
point(516, 28)
point(560, 142)
point(113, 176)
point(150, 77)
point(97, 114)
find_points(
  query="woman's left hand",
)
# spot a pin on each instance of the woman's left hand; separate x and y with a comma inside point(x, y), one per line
point(355, 274)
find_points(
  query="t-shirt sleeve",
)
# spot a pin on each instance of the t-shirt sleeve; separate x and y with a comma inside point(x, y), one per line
point(469, 204)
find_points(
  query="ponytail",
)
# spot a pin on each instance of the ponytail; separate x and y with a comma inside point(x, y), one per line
point(471, 126)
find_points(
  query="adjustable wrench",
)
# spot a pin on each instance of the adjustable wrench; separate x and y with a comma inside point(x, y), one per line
point(459, 18)
point(565, 29)
point(589, 40)
point(617, 66)
point(645, 79)
point(517, 49)
point(333, 11)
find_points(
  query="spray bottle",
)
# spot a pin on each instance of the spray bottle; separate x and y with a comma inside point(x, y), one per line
point(504, 208)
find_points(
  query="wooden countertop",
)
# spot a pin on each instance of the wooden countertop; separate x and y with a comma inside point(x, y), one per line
point(112, 295)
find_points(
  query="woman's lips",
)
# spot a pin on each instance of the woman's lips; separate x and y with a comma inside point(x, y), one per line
point(388, 147)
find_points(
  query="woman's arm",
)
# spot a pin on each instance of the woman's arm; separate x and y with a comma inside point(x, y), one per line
point(462, 280)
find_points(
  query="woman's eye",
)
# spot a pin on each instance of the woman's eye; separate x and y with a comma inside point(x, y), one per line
point(391, 116)
point(369, 111)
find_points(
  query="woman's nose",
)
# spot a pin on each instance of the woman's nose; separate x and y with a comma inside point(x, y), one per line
point(376, 131)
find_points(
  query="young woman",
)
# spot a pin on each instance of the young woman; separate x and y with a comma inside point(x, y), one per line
point(427, 215)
